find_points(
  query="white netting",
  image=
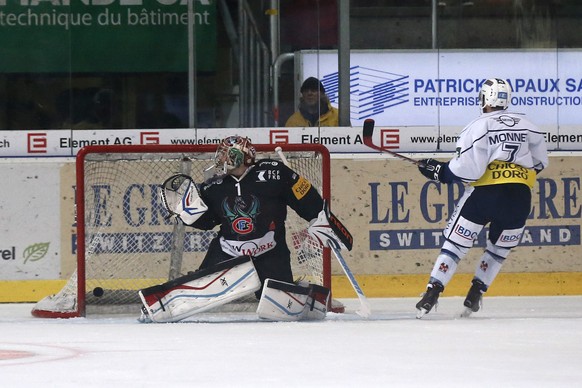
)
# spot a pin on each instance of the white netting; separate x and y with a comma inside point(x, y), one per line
point(128, 243)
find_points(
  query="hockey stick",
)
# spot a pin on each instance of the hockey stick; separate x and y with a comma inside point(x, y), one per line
point(365, 309)
point(367, 135)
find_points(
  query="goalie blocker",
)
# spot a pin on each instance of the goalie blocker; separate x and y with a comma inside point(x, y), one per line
point(328, 229)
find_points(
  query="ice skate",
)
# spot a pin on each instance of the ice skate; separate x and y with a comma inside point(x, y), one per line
point(429, 299)
point(145, 316)
point(474, 298)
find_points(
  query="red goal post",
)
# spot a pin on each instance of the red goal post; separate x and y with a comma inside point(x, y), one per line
point(124, 243)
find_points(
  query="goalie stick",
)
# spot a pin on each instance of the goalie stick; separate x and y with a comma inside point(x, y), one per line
point(365, 310)
point(279, 152)
point(368, 131)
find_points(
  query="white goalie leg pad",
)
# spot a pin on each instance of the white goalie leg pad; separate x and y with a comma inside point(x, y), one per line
point(281, 301)
point(201, 290)
point(317, 302)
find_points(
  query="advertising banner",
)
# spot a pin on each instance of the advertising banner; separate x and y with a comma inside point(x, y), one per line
point(339, 140)
point(395, 215)
point(439, 89)
point(30, 246)
point(104, 35)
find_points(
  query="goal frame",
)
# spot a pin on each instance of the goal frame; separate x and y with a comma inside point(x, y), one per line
point(157, 148)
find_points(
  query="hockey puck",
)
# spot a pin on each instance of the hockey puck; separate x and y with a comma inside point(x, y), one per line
point(98, 292)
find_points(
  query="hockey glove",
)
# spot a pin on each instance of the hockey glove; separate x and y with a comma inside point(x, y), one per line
point(181, 198)
point(328, 230)
point(432, 169)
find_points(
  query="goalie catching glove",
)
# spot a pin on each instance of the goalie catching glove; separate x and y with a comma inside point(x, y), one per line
point(181, 198)
point(327, 229)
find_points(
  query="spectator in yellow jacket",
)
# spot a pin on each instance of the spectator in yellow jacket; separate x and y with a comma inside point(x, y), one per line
point(314, 107)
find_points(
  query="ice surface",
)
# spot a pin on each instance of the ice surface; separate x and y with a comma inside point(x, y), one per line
point(511, 342)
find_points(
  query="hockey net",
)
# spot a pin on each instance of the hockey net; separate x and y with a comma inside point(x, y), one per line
point(125, 243)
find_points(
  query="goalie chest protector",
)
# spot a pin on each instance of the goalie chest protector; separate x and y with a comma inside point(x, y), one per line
point(250, 208)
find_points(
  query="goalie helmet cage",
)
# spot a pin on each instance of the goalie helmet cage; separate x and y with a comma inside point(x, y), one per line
point(125, 243)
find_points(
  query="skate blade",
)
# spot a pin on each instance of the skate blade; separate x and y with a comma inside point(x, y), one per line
point(466, 313)
point(421, 313)
point(144, 317)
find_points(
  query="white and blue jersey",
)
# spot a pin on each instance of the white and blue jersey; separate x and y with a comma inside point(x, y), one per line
point(499, 147)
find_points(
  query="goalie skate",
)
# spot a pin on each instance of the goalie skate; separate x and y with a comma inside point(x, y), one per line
point(200, 291)
point(145, 316)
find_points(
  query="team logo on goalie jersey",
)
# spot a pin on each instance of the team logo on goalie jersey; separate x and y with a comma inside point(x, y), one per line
point(241, 215)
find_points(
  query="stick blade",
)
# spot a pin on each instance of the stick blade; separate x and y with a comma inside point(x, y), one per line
point(365, 311)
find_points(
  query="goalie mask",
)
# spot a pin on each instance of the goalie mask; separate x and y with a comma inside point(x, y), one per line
point(233, 152)
point(496, 93)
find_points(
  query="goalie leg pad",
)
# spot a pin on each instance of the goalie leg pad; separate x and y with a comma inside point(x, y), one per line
point(317, 302)
point(281, 301)
point(201, 290)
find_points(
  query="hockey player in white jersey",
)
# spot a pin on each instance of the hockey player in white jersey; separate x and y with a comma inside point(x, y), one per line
point(498, 156)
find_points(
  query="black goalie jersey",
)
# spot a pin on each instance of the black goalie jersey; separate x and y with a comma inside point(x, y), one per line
point(251, 211)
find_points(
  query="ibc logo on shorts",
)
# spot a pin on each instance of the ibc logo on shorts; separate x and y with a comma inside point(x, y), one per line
point(513, 238)
point(465, 233)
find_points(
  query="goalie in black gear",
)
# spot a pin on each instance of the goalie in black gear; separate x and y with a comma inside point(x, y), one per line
point(248, 201)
